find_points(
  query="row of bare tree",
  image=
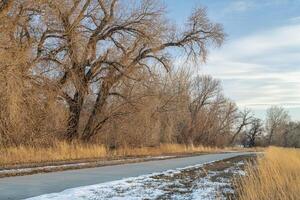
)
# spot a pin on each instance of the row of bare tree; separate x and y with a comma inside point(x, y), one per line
point(278, 129)
point(101, 71)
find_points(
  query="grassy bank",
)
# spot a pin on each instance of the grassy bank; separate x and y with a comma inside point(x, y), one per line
point(67, 152)
point(276, 175)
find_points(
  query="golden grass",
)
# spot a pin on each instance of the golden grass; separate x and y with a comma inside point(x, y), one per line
point(276, 175)
point(62, 151)
point(163, 149)
point(59, 152)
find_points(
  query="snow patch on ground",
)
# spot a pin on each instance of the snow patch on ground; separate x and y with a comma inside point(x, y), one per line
point(172, 184)
point(236, 169)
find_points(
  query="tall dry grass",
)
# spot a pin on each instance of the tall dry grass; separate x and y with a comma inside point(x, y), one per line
point(60, 151)
point(163, 149)
point(276, 176)
point(63, 151)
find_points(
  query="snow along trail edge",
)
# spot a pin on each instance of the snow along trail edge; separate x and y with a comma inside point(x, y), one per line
point(151, 187)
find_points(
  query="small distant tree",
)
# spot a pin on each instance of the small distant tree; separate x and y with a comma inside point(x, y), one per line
point(276, 121)
point(256, 129)
point(243, 119)
point(291, 135)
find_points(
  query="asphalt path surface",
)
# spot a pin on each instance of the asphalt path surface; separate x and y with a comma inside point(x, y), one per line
point(21, 187)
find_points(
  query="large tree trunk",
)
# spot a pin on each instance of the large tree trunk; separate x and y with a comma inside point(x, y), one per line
point(91, 126)
point(75, 107)
point(236, 134)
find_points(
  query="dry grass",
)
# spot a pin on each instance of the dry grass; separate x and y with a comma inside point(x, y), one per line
point(163, 149)
point(62, 151)
point(276, 175)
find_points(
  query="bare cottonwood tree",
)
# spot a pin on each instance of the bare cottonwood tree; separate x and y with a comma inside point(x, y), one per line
point(243, 119)
point(276, 120)
point(292, 135)
point(215, 123)
point(85, 48)
point(204, 90)
point(211, 114)
point(26, 109)
point(255, 130)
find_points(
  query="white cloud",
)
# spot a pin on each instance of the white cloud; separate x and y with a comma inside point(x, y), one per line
point(261, 69)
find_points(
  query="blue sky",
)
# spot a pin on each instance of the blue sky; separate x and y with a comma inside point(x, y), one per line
point(259, 63)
